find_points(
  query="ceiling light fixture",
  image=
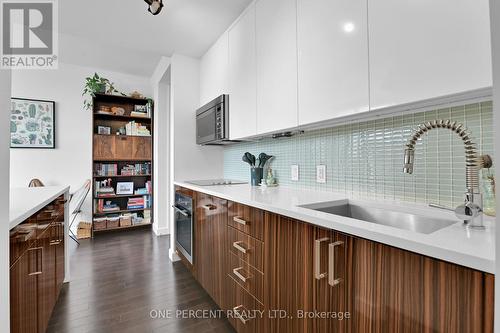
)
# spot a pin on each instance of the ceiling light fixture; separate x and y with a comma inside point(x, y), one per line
point(155, 6)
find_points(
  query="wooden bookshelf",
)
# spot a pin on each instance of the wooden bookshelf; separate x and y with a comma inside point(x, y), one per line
point(133, 226)
point(100, 214)
point(119, 196)
point(121, 150)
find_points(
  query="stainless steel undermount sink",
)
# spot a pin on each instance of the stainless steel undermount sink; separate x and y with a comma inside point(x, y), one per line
point(400, 220)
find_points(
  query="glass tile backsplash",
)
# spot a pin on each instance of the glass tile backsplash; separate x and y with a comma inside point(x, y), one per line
point(365, 159)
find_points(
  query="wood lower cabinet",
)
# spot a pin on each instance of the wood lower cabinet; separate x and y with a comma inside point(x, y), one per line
point(24, 292)
point(244, 312)
point(60, 258)
point(37, 268)
point(46, 279)
point(310, 279)
point(246, 219)
point(393, 290)
point(210, 253)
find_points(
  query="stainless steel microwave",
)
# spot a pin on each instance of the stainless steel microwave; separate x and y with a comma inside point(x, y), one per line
point(212, 122)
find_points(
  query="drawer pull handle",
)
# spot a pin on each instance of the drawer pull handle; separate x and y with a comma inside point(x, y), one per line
point(240, 276)
point(208, 207)
point(317, 258)
point(239, 220)
point(332, 281)
point(240, 248)
point(238, 315)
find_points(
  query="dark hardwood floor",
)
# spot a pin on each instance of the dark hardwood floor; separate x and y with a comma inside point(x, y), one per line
point(117, 279)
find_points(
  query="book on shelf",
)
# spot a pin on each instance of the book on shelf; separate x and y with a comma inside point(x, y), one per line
point(136, 203)
point(136, 169)
point(139, 114)
point(137, 129)
point(142, 110)
point(103, 191)
point(147, 217)
point(106, 207)
point(105, 169)
point(144, 190)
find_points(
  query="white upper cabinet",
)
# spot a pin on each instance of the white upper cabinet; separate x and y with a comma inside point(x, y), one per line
point(332, 59)
point(427, 48)
point(242, 77)
point(276, 65)
point(214, 71)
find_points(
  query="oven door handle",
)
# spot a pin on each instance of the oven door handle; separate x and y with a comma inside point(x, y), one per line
point(182, 211)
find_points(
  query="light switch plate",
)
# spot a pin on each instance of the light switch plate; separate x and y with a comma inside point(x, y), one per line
point(321, 174)
point(294, 170)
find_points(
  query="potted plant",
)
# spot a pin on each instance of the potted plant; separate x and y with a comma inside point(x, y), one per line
point(94, 85)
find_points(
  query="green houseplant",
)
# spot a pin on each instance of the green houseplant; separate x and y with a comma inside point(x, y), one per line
point(97, 84)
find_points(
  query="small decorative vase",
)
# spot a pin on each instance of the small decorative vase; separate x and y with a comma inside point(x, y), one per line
point(256, 175)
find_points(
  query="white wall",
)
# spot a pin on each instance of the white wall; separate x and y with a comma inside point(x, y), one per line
point(495, 47)
point(190, 160)
point(71, 162)
point(187, 159)
point(160, 82)
point(4, 199)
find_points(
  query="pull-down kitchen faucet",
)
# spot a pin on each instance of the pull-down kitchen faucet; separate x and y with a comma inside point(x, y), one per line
point(471, 211)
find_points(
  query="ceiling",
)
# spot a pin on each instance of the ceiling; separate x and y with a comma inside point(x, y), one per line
point(187, 27)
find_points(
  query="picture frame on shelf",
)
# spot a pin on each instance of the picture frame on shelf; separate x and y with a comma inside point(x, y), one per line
point(32, 123)
point(125, 188)
point(103, 130)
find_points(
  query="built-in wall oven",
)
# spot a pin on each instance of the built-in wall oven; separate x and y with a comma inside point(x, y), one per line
point(184, 220)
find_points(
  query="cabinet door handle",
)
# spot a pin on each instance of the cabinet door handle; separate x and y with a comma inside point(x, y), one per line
point(239, 220)
point(317, 258)
point(238, 315)
point(240, 276)
point(240, 248)
point(332, 281)
point(208, 207)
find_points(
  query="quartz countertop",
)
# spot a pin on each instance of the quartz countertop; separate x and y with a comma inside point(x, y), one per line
point(26, 201)
point(455, 243)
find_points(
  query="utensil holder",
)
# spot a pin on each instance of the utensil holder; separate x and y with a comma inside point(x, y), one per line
point(256, 174)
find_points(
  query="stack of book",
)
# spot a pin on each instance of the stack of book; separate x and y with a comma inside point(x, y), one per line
point(101, 169)
point(147, 216)
point(144, 190)
point(135, 203)
point(136, 169)
point(103, 191)
point(133, 128)
point(107, 207)
point(140, 111)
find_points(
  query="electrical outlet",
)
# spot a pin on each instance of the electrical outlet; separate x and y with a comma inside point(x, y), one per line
point(294, 169)
point(321, 174)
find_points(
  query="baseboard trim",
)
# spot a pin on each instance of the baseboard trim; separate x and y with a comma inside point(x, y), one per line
point(173, 256)
point(160, 231)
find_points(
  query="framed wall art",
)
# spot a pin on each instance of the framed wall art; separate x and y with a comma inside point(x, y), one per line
point(32, 123)
point(124, 188)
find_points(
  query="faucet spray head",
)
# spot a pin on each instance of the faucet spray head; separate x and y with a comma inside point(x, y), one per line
point(409, 158)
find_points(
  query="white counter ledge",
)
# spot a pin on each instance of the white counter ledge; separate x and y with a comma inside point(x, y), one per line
point(455, 243)
point(26, 201)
